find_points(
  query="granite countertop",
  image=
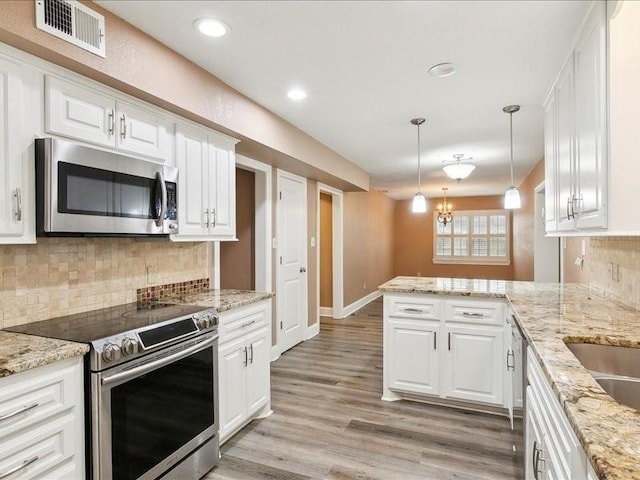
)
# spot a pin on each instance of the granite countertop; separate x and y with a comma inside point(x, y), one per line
point(551, 314)
point(221, 300)
point(20, 352)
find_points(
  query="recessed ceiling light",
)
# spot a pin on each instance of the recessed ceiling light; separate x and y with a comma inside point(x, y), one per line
point(212, 27)
point(442, 70)
point(297, 94)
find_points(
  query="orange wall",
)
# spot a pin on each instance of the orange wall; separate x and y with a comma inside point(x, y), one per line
point(326, 251)
point(368, 243)
point(413, 242)
point(237, 259)
point(139, 65)
point(523, 225)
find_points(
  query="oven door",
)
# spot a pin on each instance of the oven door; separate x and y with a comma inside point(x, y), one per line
point(150, 414)
point(83, 190)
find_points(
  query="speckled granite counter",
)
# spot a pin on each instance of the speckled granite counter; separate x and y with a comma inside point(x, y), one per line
point(549, 315)
point(19, 352)
point(221, 300)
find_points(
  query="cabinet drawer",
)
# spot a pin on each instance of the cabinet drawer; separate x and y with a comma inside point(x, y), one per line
point(413, 306)
point(242, 321)
point(27, 398)
point(474, 311)
point(39, 452)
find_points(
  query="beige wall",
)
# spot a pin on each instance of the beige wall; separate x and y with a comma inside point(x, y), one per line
point(368, 243)
point(326, 250)
point(237, 259)
point(61, 276)
point(413, 244)
point(523, 219)
point(138, 64)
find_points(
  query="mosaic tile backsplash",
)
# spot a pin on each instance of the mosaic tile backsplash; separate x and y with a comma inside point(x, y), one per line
point(180, 289)
point(614, 268)
point(62, 276)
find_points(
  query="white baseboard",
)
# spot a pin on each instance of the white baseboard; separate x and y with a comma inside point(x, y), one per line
point(275, 352)
point(326, 311)
point(312, 331)
point(358, 304)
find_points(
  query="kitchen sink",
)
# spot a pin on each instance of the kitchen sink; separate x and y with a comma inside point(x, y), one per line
point(623, 390)
point(608, 359)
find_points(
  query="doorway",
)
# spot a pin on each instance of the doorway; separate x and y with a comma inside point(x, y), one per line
point(546, 250)
point(329, 252)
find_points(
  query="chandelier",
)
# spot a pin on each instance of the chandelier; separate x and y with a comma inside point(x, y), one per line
point(458, 170)
point(444, 209)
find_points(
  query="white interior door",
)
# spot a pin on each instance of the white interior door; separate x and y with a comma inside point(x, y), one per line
point(546, 250)
point(291, 291)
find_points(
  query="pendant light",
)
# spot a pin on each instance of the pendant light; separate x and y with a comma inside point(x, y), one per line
point(457, 170)
point(512, 195)
point(444, 210)
point(419, 204)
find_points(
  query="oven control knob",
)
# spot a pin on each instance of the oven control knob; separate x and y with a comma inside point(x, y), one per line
point(129, 346)
point(111, 352)
point(213, 319)
point(202, 322)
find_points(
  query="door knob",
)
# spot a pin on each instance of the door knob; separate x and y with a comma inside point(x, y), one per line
point(303, 269)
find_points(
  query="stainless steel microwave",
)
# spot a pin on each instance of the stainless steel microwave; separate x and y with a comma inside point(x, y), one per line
point(85, 191)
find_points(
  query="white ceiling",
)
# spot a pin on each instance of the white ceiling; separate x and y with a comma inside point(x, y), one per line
point(364, 65)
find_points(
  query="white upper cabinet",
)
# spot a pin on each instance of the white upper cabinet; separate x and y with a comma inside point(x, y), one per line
point(591, 143)
point(77, 112)
point(206, 184)
point(143, 132)
point(91, 116)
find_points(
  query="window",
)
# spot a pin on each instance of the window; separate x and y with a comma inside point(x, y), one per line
point(474, 236)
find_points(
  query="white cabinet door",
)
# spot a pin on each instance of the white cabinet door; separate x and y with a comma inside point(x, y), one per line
point(550, 164)
point(192, 157)
point(534, 436)
point(258, 370)
point(222, 168)
point(143, 132)
point(77, 112)
point(12, 189)
point(591, 118)
point(565, 103)
point(474, 366)
point(232, 377)
point(413, 357)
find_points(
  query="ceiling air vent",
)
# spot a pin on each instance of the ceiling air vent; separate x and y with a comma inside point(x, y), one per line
point(73, 22)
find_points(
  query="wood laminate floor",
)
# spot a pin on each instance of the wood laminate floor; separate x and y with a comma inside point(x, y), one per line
point(329, 421)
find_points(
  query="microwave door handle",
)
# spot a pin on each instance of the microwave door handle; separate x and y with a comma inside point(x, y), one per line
point(163, 189)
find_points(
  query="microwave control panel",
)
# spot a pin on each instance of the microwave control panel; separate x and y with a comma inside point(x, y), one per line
point(172, 201)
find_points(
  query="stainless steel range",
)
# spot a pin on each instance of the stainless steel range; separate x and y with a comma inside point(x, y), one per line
point(151, 382)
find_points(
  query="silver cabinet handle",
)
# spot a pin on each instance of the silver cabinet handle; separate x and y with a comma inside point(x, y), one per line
point(251, 347)
point(303, 269)
point(435, 340)
point(206, 216)
point(510, 355)
point(123, 126)
point(534, 452)
point(18, 195)
point(20, 410)
point(246, 357)
point(112, 122)
point(449, 340)
point(413, 310)
point(246, 324)
point(568, 213)
point(472, 314)
point(213, 214)
point(17, 468)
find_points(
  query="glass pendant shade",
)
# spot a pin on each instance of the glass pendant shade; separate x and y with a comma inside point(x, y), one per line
point(512, 198)
point(419, 204)
point(458, 171)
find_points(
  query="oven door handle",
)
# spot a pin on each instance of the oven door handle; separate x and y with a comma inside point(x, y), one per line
point(148, 367)
point(163, 190)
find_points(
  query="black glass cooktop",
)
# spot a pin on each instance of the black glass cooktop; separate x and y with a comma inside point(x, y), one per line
point(97, 324)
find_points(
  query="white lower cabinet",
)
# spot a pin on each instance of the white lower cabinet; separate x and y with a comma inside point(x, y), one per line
point(552, 448)
point(42, 422)
point(474, 363)
point(244, 366)
point(444, 347)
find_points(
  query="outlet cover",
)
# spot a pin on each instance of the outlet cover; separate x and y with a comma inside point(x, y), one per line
point(152, 275)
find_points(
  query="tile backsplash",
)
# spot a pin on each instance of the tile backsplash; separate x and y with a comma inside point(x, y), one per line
point(62, 276)
point(614, 268)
